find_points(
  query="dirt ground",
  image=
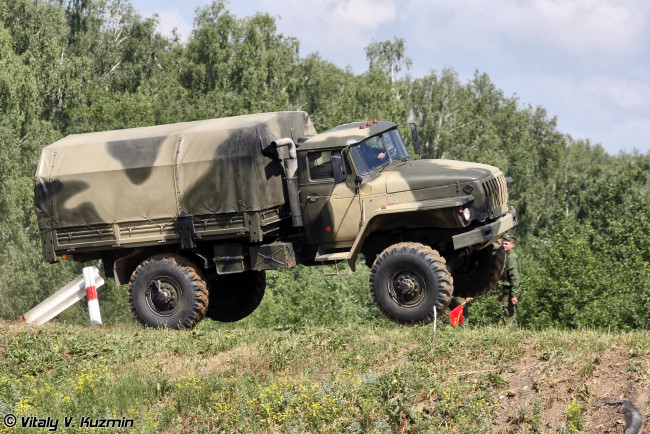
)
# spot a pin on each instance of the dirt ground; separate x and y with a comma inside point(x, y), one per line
point(540, 391)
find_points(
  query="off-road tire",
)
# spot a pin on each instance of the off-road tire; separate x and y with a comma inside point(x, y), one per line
point(480, 272)
point(168, 291)
point(235, 296)
point(408, 281)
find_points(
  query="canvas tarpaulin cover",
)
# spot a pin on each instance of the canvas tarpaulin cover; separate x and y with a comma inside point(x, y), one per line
point(161, 172)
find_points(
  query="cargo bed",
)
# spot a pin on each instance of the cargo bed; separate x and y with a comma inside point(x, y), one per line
point(179, 183)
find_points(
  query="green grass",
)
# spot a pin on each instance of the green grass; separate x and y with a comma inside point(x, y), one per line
point(343, 379)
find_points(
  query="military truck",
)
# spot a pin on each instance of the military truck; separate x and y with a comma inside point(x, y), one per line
point(191, 215)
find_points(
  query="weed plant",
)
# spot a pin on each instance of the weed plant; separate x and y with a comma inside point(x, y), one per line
point(224, 378)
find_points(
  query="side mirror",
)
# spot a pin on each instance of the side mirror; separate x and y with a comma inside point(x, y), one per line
point(416, 140)
point(338, 167)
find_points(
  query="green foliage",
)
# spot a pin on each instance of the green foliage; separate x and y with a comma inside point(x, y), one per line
point(388, 57)
point(594, 270)
point(110, 111)
point(70, 66)
point(324, 91)
point(304, 296)
point(238, 66)
point(334, 379)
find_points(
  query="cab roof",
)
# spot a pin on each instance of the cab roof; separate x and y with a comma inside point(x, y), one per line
point(347, 134)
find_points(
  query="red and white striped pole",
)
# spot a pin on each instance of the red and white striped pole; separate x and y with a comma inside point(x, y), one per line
point(91, 295)
point(61, 299)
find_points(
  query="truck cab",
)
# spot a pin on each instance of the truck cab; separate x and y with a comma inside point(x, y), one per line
point(363, 193)
point(358, 179)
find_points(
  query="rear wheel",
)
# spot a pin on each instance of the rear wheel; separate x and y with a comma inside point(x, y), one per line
point(477, 273)
point(167, 291)
point(408, 281)
point(235, 296)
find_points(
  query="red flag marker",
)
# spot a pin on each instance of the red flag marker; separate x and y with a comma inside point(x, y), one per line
point(456, 315)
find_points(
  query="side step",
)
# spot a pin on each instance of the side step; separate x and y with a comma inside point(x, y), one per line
point(331, 257)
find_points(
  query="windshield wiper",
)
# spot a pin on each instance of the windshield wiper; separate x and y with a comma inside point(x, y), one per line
point(383, 166)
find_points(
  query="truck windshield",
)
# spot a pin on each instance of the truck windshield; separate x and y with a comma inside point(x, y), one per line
point(378, 151)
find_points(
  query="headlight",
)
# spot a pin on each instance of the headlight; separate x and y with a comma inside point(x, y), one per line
point(465, 212)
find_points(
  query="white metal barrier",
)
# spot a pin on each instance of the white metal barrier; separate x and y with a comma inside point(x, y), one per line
point(83, 286)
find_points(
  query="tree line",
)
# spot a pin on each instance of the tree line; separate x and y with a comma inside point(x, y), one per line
point(72, 66)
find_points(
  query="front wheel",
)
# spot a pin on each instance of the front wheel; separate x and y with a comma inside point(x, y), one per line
point(408, 281)
point(167, 291)
point(477, 273)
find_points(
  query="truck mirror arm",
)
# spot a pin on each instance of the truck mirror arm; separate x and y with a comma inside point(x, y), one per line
point(416, 140)
point(414, 136)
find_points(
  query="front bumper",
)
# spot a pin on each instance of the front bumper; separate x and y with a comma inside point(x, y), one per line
point(488, 233)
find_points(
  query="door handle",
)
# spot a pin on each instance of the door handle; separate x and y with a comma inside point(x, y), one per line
point(313, 198)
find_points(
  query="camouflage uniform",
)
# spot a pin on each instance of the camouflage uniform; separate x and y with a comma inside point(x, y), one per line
point(511, 288)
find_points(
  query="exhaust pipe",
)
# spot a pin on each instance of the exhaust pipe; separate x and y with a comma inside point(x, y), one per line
point(290, 169)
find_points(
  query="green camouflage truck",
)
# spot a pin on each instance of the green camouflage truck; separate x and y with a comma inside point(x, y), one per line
point(191, 215)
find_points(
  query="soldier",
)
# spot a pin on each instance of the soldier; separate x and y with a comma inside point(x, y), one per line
point(510, 283)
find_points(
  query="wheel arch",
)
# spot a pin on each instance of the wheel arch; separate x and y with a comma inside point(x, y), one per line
point(411, 215)
point(124, 266)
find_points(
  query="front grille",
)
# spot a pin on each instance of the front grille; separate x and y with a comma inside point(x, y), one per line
point(496, 191)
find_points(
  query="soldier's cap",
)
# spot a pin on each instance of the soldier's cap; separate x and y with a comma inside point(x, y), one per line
point(510, 238)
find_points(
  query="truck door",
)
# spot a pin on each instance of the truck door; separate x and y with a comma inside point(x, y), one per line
point(332, 210)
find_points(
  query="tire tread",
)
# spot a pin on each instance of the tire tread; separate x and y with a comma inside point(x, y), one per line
point(194, 276)
point(437, 264)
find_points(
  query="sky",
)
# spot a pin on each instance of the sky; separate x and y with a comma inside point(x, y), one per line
point(587, 62)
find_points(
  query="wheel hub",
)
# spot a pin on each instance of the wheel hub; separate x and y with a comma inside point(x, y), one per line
point(163, 296)
point(406, 284)
point(407, 289)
